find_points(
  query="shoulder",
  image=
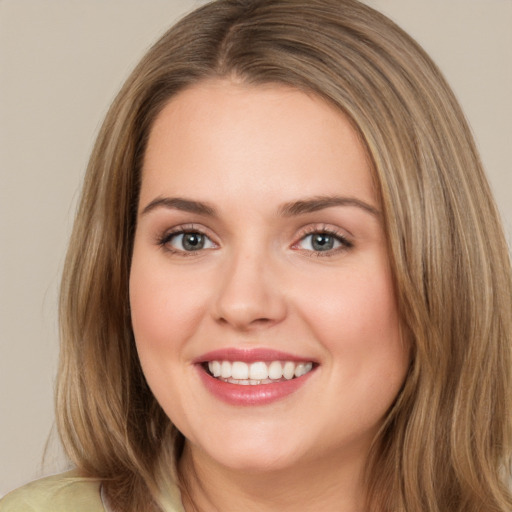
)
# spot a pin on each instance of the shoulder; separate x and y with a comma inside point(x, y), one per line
point(67, 492)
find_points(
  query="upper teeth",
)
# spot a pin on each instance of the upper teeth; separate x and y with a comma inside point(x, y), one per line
point(259, 371)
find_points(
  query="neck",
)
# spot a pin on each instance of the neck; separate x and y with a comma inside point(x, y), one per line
point(308, 486)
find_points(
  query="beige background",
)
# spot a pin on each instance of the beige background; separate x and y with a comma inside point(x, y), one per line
point(61, 62)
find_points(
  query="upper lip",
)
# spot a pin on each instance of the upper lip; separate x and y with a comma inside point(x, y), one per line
point(249, 355)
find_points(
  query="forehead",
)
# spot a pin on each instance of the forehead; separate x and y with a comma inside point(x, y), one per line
point(264, 138)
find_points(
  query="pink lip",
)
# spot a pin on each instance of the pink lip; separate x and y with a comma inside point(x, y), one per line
point(262, 394)
point(249, 356)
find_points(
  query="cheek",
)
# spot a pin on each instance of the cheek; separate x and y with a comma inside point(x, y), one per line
point(353, 306)
point(357, 323)
point(158, 302)
point(165, 306)
point(355, 318)
point(164, 314)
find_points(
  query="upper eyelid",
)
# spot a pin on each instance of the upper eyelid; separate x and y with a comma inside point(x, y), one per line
point(167, 234)
point(187, 228)
point(324, 228)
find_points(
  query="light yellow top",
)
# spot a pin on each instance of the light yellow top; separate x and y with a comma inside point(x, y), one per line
point(69, 492)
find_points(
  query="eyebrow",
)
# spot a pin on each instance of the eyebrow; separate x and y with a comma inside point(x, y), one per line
point(179, 203)
point(291, 209)
point(321, 202)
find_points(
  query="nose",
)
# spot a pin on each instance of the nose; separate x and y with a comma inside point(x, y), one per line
point(249, 296)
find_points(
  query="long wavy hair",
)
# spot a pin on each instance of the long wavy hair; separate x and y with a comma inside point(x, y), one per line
point(445, 445)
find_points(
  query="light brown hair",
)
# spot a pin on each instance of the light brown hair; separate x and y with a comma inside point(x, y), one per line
point(447, 441)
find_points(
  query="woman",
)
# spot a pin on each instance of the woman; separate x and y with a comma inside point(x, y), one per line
point(287, 285)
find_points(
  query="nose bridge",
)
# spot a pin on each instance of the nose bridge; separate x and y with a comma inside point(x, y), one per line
point(249, 294)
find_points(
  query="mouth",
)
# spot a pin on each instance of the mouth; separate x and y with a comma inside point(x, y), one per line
point(258, 372)
point(254, 377)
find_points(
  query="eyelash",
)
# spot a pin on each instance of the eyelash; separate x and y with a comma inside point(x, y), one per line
point(345, 244)
point(164, 240)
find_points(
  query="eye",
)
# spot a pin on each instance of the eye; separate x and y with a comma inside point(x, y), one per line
point(187, 241)
point(323, 241)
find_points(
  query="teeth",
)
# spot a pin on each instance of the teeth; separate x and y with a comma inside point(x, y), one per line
point(238, 372)
point(225, 369)
point(289, 370)
point(258, 371)
point(214, 367)
point(302, 369)
point(275, 370)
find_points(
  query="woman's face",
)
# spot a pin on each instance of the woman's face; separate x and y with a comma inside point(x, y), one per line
point(260, 256)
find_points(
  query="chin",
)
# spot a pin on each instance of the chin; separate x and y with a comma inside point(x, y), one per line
point(255, 461)
point(255, 453)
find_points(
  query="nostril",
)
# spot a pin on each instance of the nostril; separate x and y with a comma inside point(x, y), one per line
point(261, 321)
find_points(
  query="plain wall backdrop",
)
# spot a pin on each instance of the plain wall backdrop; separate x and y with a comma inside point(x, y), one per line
point(61, 63)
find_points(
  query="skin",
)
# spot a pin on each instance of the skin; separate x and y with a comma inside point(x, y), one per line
point(246, 151)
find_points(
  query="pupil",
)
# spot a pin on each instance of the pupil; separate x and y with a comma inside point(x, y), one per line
point(322, 242)
point(193, 241)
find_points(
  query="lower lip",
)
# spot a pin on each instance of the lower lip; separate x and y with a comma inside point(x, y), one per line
point(259, 394)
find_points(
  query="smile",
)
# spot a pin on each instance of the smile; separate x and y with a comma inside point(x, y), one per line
point(259, 372)
point(254, 377)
